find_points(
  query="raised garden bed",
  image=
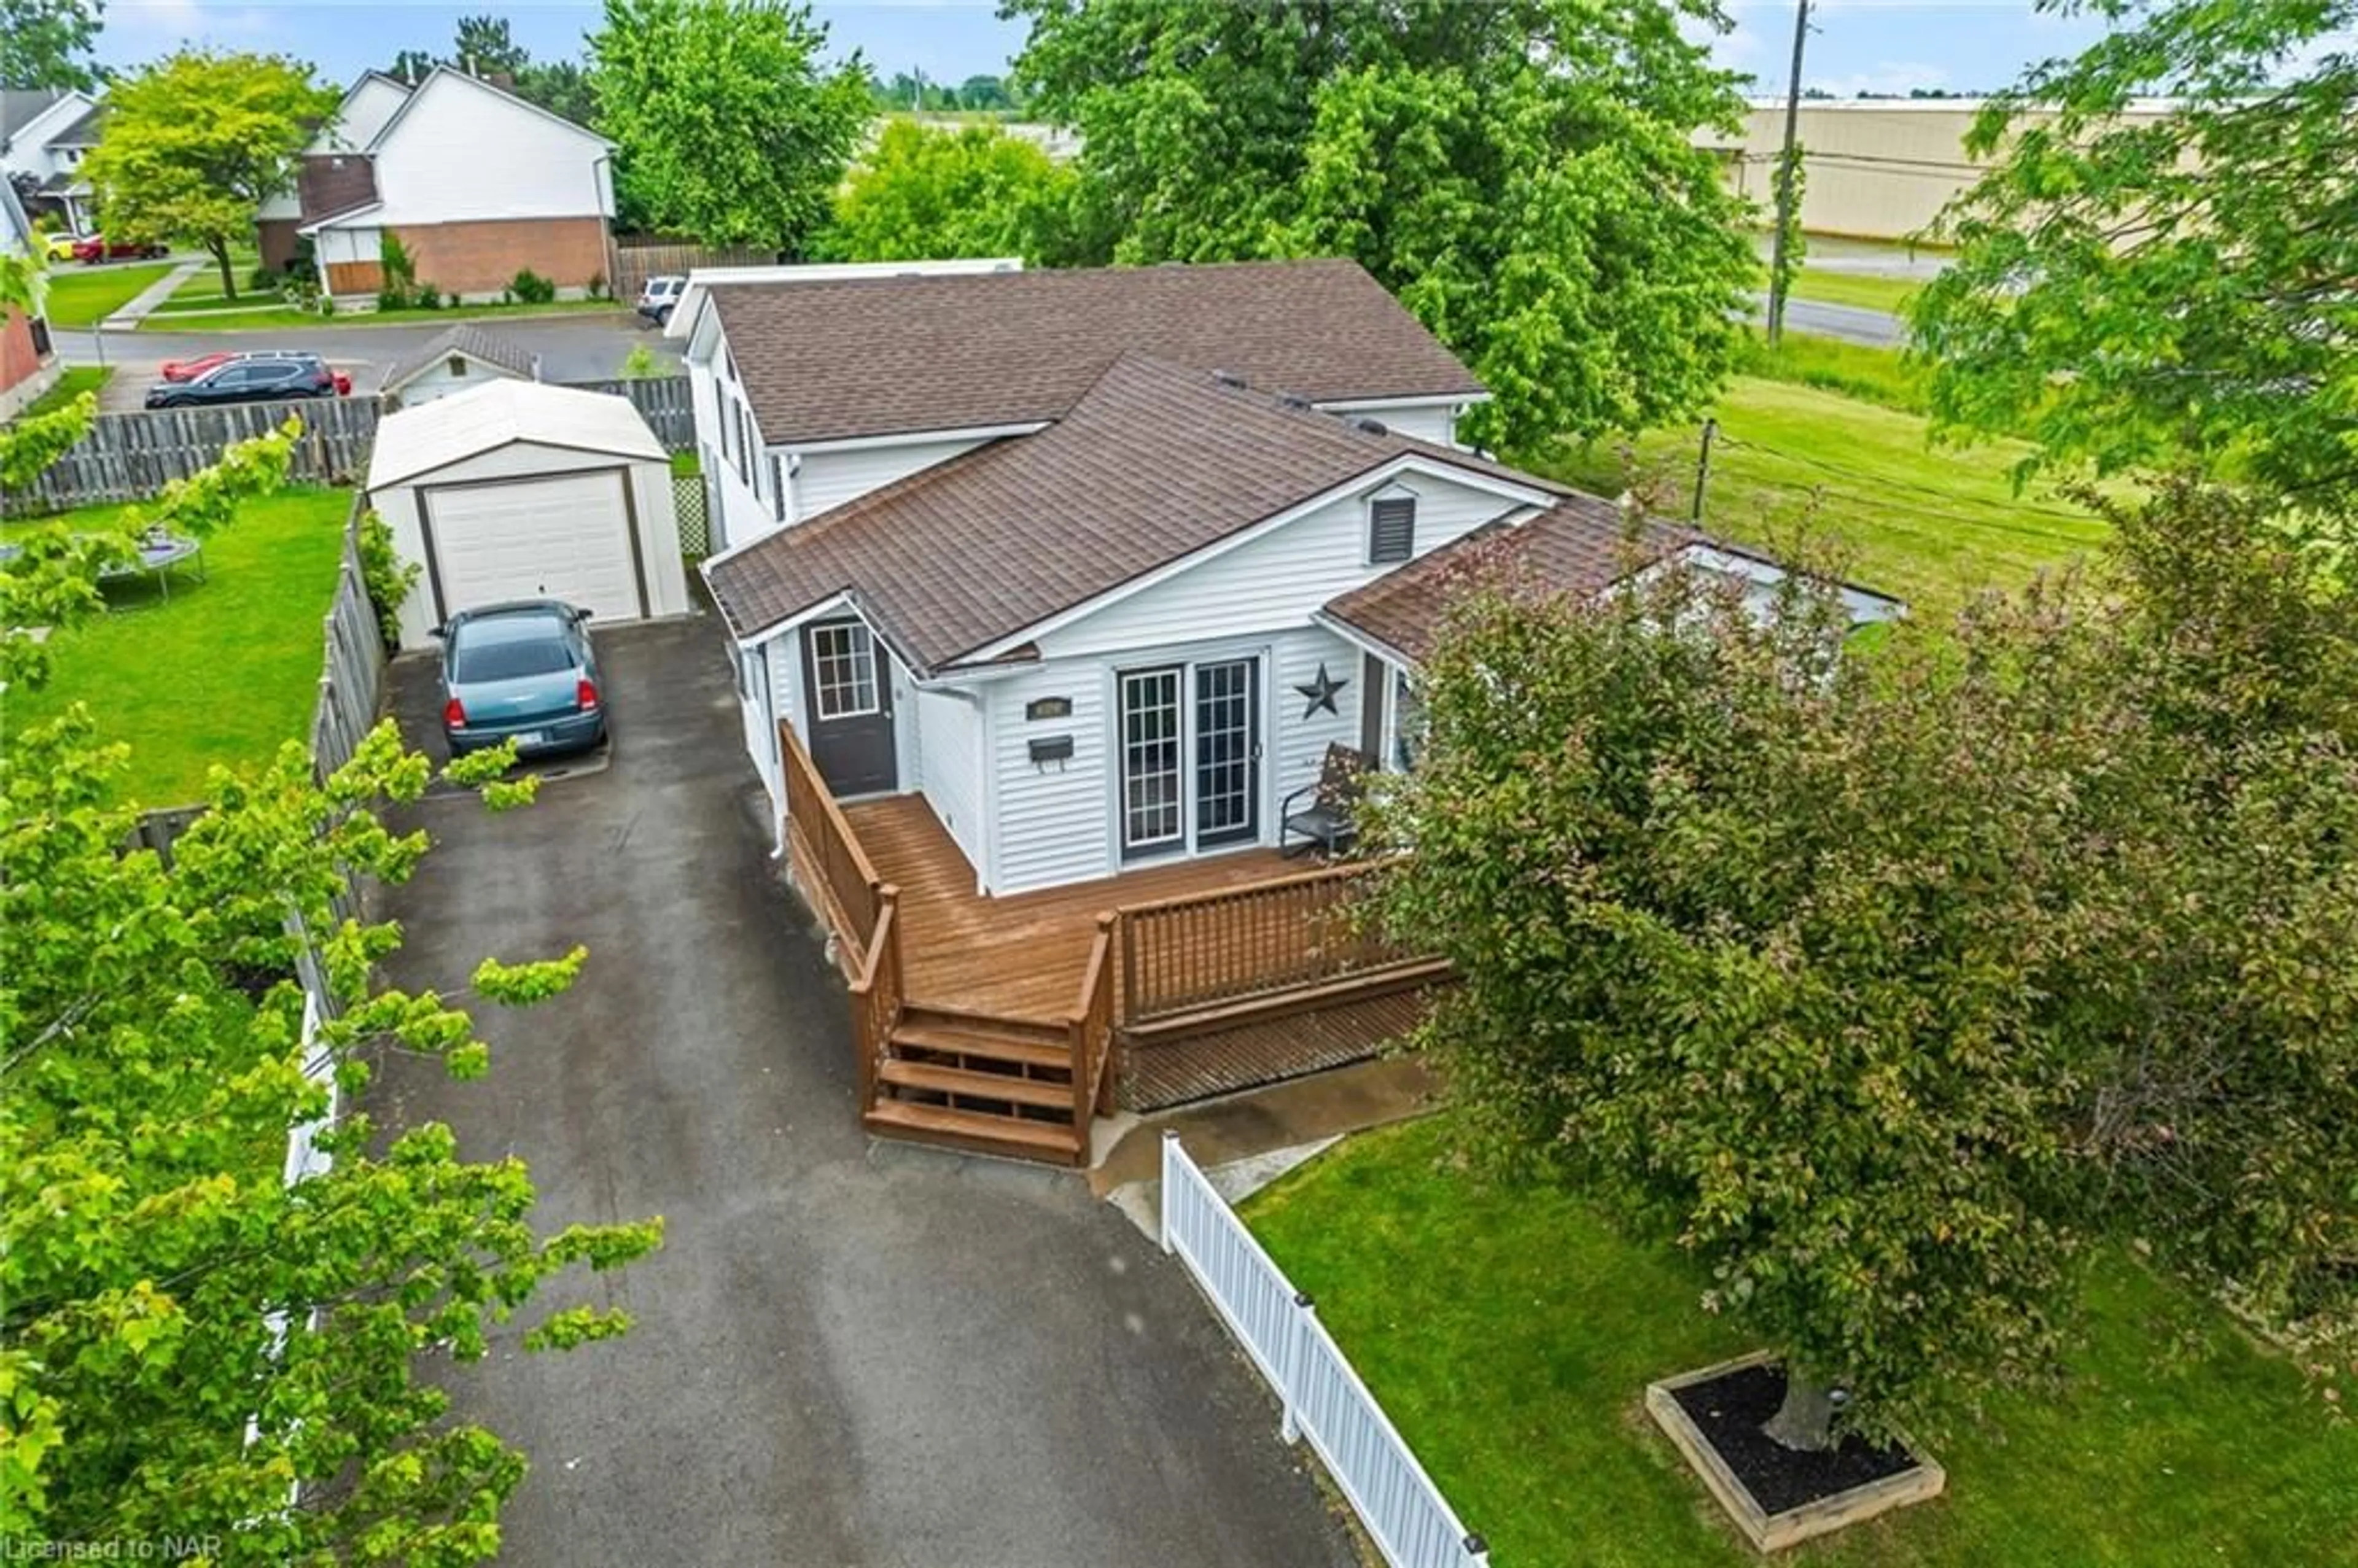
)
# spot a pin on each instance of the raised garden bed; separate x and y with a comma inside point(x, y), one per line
point(1778, 1496)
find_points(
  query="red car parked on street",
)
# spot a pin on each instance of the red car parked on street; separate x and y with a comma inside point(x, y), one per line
point(99, 248)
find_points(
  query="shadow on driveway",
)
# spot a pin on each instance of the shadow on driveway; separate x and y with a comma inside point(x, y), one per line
point(847, 1353)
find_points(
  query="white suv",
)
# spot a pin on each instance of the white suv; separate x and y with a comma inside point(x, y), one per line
point(659, 296)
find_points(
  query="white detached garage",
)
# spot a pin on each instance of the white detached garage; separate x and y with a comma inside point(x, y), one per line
point(520, 489)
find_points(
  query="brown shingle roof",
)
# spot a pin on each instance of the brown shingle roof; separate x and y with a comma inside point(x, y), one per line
point(1154, 461)
point(1579, 546)
point(489, 348)
point(831, 359)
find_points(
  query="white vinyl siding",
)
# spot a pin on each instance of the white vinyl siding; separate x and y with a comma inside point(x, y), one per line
point(1055, 820)
point(831, 479)
point(1295, 745)
point(462, 151)
point(1432, 422)
point(1279, 579)
point(949, 731)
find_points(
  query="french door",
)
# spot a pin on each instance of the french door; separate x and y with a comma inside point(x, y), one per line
point(1190, 756)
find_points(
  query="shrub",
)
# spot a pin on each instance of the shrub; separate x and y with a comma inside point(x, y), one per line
point(427, 297)
point(638, 364)
point(261, 279)
point(596, 288)
point(453, 300)
point(385, 575)
point(399, 267)
point(392, 298)
point(531, 288)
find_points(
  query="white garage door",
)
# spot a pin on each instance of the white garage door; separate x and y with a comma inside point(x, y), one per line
point(566, 537)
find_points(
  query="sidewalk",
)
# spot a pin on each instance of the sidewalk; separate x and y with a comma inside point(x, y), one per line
point(137, 309)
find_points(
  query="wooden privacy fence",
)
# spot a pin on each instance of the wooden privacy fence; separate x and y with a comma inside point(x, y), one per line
point(630, 265)
point(131, 457)
point(1202, 951)
point(661, 400)
point(351, 672)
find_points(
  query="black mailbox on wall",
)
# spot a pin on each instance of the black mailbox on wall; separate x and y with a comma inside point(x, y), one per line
point(1057, 749)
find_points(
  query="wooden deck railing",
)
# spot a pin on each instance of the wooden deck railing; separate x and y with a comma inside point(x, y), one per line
point(1091, 1031)
point(877, 995)
point(826, 857)
point(1199, 951)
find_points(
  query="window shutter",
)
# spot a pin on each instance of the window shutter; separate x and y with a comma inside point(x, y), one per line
point(778, 485)
point(1391, 529)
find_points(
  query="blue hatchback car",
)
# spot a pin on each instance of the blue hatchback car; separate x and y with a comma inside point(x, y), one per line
point(524, 672)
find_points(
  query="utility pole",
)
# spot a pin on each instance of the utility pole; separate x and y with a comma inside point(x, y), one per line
point(1703, 471)
point(1785, 185)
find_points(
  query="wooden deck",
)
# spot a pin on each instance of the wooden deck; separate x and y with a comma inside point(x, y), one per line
point(1021, 956)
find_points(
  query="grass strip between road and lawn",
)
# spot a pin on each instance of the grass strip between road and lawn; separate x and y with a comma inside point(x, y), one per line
point(283, 317)
point(84, 296)
point(221, 670)
point(1510, 1332)
point(77, 380)
point(1860, 290)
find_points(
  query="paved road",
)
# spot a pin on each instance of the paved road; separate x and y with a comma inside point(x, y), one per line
point(585, 347)
point(846, 1355)
point(1848, 322)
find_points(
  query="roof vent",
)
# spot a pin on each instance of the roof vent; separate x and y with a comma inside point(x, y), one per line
point(1230, 378)
point(1294, 400)
point(1367, 426)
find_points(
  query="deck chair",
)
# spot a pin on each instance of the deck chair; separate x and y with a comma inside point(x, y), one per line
point(1321, 814)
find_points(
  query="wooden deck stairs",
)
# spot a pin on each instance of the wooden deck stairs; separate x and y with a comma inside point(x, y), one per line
point(984, 1083)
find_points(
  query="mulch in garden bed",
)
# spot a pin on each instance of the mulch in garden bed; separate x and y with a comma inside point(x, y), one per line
point(1730, 1409)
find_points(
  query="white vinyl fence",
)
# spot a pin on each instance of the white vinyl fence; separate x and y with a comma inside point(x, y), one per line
point(1411, 1522)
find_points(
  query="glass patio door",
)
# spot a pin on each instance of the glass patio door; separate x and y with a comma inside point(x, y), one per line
point(1190, 756)
point(1228, 753)
point(1152, 817)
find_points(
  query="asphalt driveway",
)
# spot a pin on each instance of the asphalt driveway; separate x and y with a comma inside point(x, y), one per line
point(847, 1353)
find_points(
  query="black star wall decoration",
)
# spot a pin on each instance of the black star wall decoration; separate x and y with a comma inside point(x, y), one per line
point(1321, 693)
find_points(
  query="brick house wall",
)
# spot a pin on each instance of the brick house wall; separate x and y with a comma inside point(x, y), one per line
point(18, 360)
point(278, 239)
point(480, 258)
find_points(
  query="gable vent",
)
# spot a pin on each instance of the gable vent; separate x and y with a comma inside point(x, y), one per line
point(1228, 378)
point(1391, 529)
point(1365, 426)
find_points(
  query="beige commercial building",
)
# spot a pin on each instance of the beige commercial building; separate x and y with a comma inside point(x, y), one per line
point(1877, 168)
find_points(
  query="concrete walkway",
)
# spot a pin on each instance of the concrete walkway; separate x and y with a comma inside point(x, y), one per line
point(141, 304)
point(848, 1354)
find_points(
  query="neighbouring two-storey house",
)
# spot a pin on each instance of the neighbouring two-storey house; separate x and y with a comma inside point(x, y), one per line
point(1053, 592)
point(27, 361)
point(478, 184)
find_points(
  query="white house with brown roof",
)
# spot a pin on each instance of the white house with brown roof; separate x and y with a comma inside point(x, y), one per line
point(1101, 563)
point(478, 184)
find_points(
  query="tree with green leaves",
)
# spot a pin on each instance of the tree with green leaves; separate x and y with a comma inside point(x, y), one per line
point(728, 125)
point(413, 66)
point(483, 46)
point(561, 87)
point(1521, 173)
point(48, 43)
point(1888, 986)
point(971, 190)
point(2138, 292)
point(192, 1342)
point(196, 142)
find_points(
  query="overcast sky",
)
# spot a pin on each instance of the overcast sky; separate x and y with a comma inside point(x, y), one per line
point(1876, 45)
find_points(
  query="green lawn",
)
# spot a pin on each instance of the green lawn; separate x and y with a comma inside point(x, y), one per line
point(1863, 290)
point(84, 296)
point(1510, 1335)
point(222, 671)
point(287, 316)
point(202, 290)
point(77, 380)
point(1930, 524)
